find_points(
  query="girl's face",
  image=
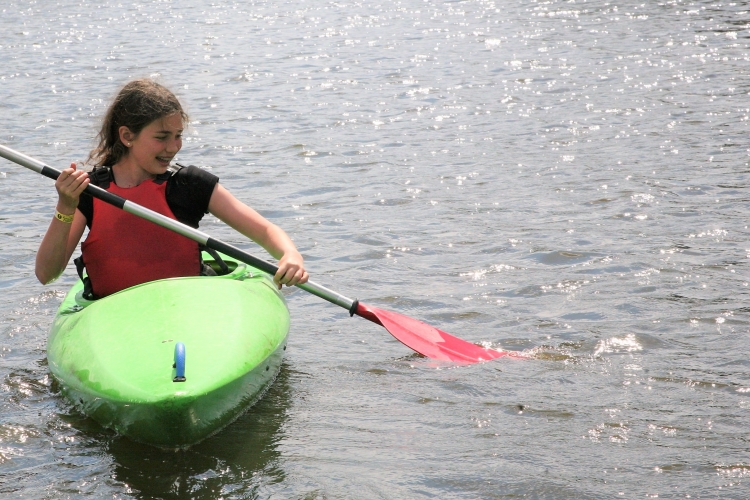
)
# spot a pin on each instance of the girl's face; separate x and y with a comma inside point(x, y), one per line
point(156, 145)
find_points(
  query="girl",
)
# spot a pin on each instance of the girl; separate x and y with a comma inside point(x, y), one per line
point(140, 135)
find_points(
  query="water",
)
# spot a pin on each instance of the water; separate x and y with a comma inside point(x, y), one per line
point(567, 178)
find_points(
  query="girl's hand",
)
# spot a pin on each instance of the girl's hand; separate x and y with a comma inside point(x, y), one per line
point(70, 184)
point(291, 270)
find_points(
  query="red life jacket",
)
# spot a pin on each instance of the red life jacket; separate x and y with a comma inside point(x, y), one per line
point(123, 250)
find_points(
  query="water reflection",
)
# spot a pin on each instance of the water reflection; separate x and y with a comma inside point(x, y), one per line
point(564, 178)
point(241, 458)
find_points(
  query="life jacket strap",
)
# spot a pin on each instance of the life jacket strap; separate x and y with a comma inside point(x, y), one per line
point(88, 290)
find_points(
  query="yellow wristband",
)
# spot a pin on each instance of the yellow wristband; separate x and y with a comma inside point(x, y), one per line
point(68, 219)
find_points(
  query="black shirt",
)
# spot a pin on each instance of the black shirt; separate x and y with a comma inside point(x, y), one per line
point(188, 192)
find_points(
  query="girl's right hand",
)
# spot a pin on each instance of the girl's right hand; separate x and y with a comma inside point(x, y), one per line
point(70, 184)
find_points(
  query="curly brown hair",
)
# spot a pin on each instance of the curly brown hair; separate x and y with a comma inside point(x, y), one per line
point(138, 103)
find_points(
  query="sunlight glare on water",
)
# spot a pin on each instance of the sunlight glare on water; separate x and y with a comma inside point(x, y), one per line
point(566, 179)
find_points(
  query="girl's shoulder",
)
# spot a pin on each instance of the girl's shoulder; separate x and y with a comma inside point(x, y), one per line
point(98, 176)
point(101, 176)
point(192, 176)
point(189, 191)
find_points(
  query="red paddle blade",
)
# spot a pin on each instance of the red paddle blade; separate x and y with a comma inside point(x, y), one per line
point(428, 340)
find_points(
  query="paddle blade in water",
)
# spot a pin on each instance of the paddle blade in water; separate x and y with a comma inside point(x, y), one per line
point(428, 340)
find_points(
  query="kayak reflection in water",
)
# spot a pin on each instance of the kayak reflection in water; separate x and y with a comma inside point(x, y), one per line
point(140, 135)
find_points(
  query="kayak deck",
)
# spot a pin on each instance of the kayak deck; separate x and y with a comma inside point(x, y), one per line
point(115, 357)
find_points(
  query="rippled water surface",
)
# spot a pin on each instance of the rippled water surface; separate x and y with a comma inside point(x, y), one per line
point(567, 178)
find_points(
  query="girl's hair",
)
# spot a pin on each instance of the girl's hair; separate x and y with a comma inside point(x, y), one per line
point(139, 103)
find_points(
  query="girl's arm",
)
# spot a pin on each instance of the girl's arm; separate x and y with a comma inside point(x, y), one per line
point(271, 237)
point(61, 238)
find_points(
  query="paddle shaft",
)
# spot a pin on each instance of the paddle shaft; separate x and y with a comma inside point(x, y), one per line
point(178, 227)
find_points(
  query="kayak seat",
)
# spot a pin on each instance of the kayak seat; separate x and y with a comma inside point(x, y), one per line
point(214, 268)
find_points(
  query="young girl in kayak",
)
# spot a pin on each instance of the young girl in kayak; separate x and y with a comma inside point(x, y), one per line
point(140, 135)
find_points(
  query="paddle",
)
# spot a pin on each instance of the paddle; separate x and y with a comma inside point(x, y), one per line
point(418, 336)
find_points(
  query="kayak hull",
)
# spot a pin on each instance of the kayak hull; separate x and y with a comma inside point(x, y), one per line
point(178, 422)
point(115, 357)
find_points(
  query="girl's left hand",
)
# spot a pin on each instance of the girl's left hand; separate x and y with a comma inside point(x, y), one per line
point(291, 270)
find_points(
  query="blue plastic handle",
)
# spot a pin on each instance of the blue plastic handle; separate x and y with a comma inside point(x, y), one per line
point(179, 362)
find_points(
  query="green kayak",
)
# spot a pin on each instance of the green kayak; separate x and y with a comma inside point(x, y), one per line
point(173, 361)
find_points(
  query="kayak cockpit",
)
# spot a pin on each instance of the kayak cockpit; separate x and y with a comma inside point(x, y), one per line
point(75, 300)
